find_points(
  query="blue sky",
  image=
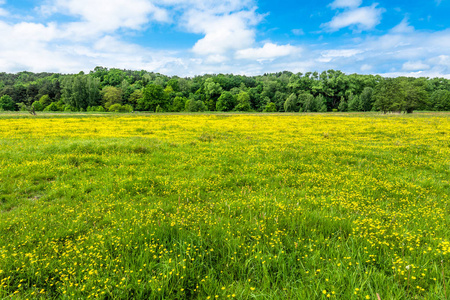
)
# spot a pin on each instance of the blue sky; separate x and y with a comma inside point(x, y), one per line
point(191, 37)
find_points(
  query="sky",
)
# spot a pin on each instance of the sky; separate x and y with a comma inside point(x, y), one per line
point(249, 37)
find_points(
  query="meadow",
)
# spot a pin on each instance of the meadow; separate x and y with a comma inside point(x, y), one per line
point(222, 206)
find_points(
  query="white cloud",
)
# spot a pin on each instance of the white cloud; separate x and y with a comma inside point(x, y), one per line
point(37, 47)
point(93, 37)
point(227, 25)
point(24, 46)
point(341, 53)
point(269, 51)
point(366, 68)
point(211, 6)
point(363, 18)
point(403, 27)
point(328, 55)
point(441, 60)
point(109, 15)
point(228, 42)
point(3, 12)
point(345, 3)
point(415, 66)
point(216, 58)
point(223, 32)
point(298, 31)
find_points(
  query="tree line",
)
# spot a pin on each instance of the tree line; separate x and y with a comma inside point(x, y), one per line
point(119, 90)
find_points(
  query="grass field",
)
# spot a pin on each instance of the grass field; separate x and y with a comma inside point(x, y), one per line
point(252, 206)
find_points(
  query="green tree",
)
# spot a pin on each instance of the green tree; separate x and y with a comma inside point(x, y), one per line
point(111, 95)
point(415, 95)
point(20, 94)
point(309, 104)
point(201, 106)
point(243, 101)
point(152, 97)
point(114, 77)
point(304, 100)
point(400, 94)
point(366, 99)
point(226, 102)
point(343, 106)
point(321, 103)
point(37, 106)
point(45, 100)
point(81, 91)
point(179, 104)
point(291, 104)
point(270, 107)
point(440, 100)
point(7, 103)
point(354, 103)
point(135, 96)
point(174, 84)
point(388, 95)
point(212, 91)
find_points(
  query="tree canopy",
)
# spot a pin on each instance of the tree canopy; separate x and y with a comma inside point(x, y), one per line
point(284, 91)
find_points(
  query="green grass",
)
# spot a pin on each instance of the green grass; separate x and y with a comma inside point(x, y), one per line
point(252, 206)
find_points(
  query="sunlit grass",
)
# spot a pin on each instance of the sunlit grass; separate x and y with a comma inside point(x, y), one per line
point(340, 206)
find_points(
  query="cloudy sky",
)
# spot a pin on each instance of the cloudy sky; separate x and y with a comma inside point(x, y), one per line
point(191, 37)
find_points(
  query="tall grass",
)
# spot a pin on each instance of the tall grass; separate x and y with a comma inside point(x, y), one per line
point(340, 206)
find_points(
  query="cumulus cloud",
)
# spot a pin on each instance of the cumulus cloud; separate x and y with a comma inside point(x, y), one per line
point(24, 46)
point(408, 53)
point(226, 25)
point(362, 18)
point(228, 41)
point(97, 17)
point(222, 32)
point(93, 36)
point(269, 52)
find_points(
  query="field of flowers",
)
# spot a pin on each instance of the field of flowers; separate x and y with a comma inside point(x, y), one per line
point(253, 206)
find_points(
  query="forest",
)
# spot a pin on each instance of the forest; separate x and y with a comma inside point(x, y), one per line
point(117, 90)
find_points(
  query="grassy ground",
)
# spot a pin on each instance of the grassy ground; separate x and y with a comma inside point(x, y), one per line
point(252, 206)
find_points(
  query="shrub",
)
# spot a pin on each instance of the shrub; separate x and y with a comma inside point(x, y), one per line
point(69, 108)
point(37, 106)
point(270, 107)
point(52, 107)
point(115, 108)
point(159, 109)
point(7, 103)
point(119, 108)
